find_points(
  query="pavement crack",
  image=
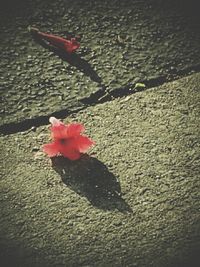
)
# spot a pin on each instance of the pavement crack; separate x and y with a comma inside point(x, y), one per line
point(106, 94)
point(32, 123)
point(101, 96)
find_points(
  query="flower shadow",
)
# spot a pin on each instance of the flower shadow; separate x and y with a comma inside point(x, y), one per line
point(90, 178)
point(73, 59)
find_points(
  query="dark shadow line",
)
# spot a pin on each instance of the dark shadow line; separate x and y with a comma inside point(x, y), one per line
point(129, 89)
point(101, 96)
point(27, 124)
point(73, 59)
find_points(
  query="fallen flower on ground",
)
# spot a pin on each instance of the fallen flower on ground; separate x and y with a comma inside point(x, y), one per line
point(68, 140)
point(68, 45)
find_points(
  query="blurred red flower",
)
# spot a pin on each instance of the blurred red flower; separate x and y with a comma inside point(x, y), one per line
point(67, 140)
point(68, 45)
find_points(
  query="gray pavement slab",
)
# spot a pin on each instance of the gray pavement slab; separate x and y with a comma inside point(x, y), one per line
point(135, 202)
point(123, 42)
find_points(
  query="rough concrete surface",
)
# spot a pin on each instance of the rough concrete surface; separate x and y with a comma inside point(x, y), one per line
point(134, 202)
point(123, 42)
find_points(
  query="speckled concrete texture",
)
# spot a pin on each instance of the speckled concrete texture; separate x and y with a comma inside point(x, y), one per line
point(123, 42)
point(133, 202)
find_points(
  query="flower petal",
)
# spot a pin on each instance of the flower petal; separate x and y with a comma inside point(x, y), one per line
point(68, 149)
point(55, 122)
point(51, 149)
point(74, 146)
point(62, 131)
point(59, 132)
point(74, 129)
point(58, 129)
point(83, 143)
point(72, 45)
point(71, 154)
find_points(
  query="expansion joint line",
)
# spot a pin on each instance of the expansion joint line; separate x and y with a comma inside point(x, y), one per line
point(101, 96)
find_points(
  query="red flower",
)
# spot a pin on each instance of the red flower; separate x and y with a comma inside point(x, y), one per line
point(69, 46)
point(67, 140)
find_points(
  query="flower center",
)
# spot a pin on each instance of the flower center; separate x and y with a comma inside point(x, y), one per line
point(63, 141)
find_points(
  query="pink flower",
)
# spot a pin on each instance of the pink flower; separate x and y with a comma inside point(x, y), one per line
point(67, 140)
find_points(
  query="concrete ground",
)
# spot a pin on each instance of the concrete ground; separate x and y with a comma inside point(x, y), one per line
point(123, 43)
point(134, 200)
